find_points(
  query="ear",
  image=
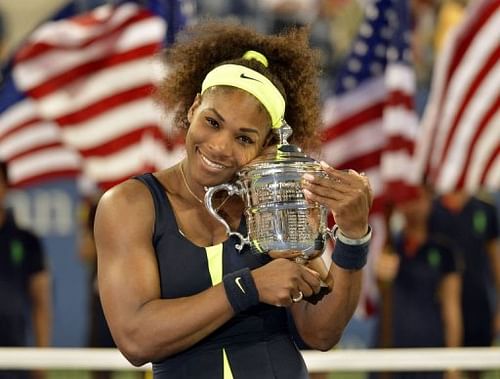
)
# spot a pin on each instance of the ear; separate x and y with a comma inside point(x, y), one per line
point(192, 109)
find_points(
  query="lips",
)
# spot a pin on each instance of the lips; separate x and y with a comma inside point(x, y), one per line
point(212, 164)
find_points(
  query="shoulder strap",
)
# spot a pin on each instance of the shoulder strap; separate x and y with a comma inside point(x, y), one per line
point(164, 216)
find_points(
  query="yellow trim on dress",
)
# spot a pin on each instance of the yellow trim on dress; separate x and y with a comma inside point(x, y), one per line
point(214, 258)
point(215, 268)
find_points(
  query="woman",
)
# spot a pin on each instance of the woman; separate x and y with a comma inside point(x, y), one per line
point(175, 291)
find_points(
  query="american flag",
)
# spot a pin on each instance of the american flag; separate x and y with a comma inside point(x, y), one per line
point(83, 99)
point(459, 146)
point(370, 121)
point(31, 145)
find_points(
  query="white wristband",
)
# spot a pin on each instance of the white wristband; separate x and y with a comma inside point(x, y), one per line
point(337, 234)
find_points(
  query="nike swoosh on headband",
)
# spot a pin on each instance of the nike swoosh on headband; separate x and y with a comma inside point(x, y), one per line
point(248, 77)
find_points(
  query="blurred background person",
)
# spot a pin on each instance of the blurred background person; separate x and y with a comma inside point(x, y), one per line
point(24, 285)
point(423, 272)
point(283, 14)
point(472, 222)
point(98, 332)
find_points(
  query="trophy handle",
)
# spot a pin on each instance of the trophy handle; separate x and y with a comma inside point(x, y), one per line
point(231, 190)
point(329, 233)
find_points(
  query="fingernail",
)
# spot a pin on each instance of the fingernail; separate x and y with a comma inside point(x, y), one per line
point(324, 164)
point(308, 177)
point(307, 193)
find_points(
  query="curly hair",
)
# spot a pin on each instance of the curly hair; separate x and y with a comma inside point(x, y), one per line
point(293, 69)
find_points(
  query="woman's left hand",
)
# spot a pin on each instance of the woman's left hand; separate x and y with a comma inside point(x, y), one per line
point(346, 193)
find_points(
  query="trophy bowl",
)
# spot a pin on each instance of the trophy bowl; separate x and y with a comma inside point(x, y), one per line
point(280, 221)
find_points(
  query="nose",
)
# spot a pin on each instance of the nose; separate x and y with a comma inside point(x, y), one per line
point(221, 145)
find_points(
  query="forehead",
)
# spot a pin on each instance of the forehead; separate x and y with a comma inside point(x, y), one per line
point(234, 103)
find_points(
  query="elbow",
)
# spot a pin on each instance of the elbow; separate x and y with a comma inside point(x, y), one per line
point(135, 347)
point(323, 341)
point(327, 344)
point(133, 352)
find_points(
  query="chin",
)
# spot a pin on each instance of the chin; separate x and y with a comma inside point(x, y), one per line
point(215, 181)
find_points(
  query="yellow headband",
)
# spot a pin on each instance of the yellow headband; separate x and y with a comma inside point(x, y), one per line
point(251, 81)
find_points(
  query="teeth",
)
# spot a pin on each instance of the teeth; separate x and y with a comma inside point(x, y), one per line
point(212, 164)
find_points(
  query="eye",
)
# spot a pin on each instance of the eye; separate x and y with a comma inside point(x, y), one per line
point(246, 140)
point(213, 123)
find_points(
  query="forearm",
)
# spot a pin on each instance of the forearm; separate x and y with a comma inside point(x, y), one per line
point(451, 310)
point(321, 325)
point(40, 292)
point(42, 321)
point(453, 329)
point(493, 249)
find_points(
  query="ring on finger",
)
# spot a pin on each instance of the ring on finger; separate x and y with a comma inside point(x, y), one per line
point(298, 298)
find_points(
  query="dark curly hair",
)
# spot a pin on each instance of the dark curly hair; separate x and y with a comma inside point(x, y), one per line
point(293, 68)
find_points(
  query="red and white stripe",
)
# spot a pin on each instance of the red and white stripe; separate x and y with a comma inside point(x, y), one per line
point(459, 146)
point(92, 75)
point(33, 148)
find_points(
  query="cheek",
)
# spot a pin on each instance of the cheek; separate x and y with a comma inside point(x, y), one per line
point(195, 133)
point(248, 155)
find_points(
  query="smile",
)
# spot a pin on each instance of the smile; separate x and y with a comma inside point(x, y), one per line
point(211, 163)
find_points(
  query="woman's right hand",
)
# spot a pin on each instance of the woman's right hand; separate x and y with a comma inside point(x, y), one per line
point(281, 280)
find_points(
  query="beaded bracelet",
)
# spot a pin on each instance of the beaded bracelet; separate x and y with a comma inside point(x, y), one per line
point(241, 290)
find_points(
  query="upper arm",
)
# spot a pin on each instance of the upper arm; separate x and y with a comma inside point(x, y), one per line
point(450, 288)
point(127, 269)
point(39, 288)
point(493, 249)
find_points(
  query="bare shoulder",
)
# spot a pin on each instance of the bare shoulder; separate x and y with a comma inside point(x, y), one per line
point(125, 211)
point(129, 196)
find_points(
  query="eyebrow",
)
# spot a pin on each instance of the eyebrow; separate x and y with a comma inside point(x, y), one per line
point(246, 130)
point(217, 113)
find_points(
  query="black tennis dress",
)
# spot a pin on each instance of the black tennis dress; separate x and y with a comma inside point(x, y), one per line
point(254, 344)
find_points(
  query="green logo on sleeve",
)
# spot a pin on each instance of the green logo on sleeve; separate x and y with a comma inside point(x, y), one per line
point(434, 258)
point(16, 252)
point(479, 222)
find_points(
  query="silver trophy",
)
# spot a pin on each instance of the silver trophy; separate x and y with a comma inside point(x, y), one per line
point(280, 221)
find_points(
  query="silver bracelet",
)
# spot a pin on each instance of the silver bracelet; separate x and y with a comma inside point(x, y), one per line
point(337, 234)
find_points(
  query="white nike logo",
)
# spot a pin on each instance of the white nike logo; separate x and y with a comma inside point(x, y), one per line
point(237, 281)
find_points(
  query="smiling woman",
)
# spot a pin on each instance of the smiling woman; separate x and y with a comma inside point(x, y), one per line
point(174, 289)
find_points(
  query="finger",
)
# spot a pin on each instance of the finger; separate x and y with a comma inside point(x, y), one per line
point(333, 176)
point(311, 282)
point(311, 271)
point(335, 191)
point(318, 265)
point(333, 172)
point(298, 297)
point(342, 182)
point(336, 184)
point(349, 176)
point(331, 201)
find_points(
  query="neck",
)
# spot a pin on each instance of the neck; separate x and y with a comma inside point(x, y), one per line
point(192, 194)
point(455, 201)
point(197, 198)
